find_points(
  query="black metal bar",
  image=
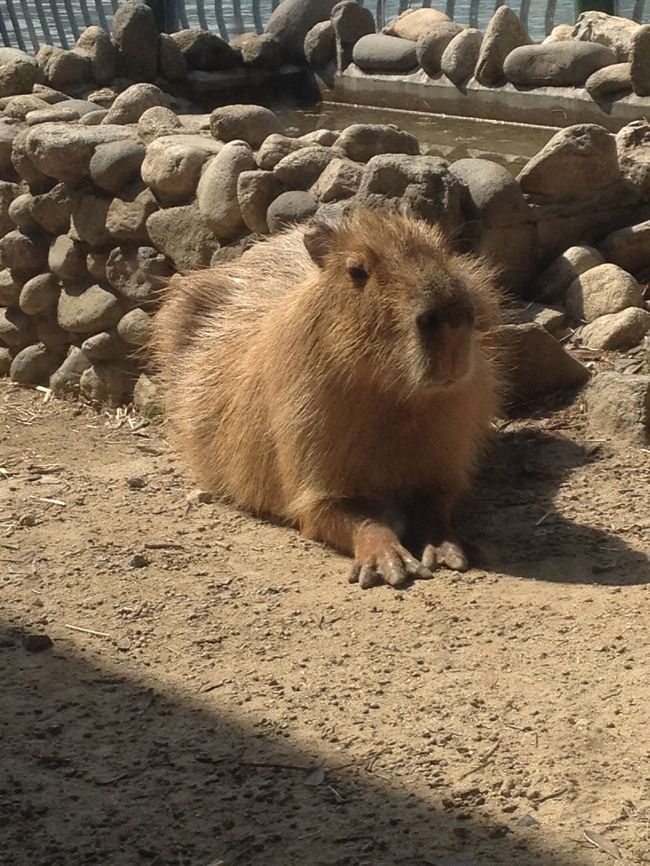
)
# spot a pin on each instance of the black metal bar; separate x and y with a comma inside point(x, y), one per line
point(549, 18)
point(257, 17)
point(27, 16)
point(72, 18)
point(60, 29)
point(15, 24)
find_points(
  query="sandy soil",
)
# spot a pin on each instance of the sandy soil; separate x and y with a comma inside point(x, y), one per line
point(235, 701)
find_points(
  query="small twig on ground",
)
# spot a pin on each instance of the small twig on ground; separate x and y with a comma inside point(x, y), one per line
point(163, 545)
point(552, 795)
point(483, 761)
point(86, 630)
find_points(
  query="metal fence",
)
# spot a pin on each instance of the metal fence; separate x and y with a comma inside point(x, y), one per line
point(28, 24)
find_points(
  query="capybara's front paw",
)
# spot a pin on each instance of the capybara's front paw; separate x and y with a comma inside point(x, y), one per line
point(448, 553)
point(380, 558)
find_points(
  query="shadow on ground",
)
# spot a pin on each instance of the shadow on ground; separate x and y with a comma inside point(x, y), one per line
point(513, 522)
point(97, 769)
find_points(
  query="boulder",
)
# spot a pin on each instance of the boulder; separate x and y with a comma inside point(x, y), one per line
point(216, 194)
point(629, 248)
point(40, 295)
point(326, 137)
point(492, 195)
point(618, 408)
point(299, 170)
point(89, 212)
point(52, 209)
point(10, 288)
point(7, 135)
point(414, 23)
point(94, 118)
point(341, 178)
point(95, 44)
point(602, 290)
point(320, 45)
point(610, 81)
point(171, 60)
point(49, 332)
point(249, 123)
point(432, 44)
point(105, 346)
point(633, 148)
point(131, 104)
point(66, 378)
point(640, 61)
point(126, 218)
point(560, 33)
point(262, 52)
point(275, 148)
point(33, 365)
point(351, 22)
point(289, 208)
point(537, 363)
point(116, 164)
point(379, 53)
point(107, 383)
point(52, 114)
point(137, 274)
point(24, 254)
point(157, 122)
point(181, 234)
point(23, 163)
point(20, 213)
point(146, 397)
point(361, 141)
point(5, 361)
point(18, 73)
point(460, 57)
point(552, 284)
point(621, 330)
point(292, 20)
point(172, 167)
point(614, 32)
point(136, 328)
point(18, 107)
point(552, 319)
point(87, 310)
point(556, 64)
point(255, 192)
point(503, 34)
point(67, 260)
point(63, 69)
point(96, 264)
point(16, 329)
point(63, 151)
point(204, 50)
point(8, 192)
point(136, 36)
point(577, 161)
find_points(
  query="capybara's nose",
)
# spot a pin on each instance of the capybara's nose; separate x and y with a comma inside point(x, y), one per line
point(428, 323)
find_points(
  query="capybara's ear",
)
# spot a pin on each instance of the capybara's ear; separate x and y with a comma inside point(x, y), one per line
point(318, 241)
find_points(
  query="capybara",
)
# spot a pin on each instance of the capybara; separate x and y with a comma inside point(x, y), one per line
point(336, 377)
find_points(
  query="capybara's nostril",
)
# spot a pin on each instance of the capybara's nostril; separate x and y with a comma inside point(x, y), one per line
point(428, 322)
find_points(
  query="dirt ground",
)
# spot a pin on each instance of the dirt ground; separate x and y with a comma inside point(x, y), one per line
point(225, 697)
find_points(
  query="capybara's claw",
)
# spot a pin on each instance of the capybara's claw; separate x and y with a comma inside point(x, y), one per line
point(393, 566)
point(448, 553)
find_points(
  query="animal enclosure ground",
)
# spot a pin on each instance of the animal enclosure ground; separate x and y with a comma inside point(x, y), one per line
point(235, 701)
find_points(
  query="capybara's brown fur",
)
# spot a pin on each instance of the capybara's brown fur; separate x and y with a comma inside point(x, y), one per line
point(337, 378)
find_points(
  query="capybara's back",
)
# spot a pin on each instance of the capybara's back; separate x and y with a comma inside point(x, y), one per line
point(336, 378)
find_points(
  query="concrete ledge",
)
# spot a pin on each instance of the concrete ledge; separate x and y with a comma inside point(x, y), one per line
point(540, 106)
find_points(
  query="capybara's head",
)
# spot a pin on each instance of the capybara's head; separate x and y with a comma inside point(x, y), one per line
point(400, 307)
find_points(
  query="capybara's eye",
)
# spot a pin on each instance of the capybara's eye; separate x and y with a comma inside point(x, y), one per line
point(358, 273)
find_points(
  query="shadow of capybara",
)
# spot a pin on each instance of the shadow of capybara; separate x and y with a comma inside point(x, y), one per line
point(336, 377)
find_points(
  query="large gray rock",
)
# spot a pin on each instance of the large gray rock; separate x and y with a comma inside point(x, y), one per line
point(16, 329)
point(633, 148)
point(602, 290)
point(492, 195)
point(136, 328)
point(413, 23)
point(67, 260)
point(204, 50)
point(87, 310)
point(610, 81)
point(621, 330)
point(157, 122)
point(136, 36)
point(556, 64)
point(23, 163)
point(291, 22)
point(552, 284)
point(216, 194)
point(614, 32)
point(537, 363)
point(131, 104)
point(33, 365)
point(379, 53)
point(96, 264)
point(64, 152)
point(126, 218)
point(116, 164)
point(340, 179)
point(8, 192)
point(89, 212)
point(431, 46)
point(182, 234)
point(5, 361)
point(40, 295)
point(105, 346)
point(629, 248)
point(64, 69)
point(422, 185)
point(618, 408)
point(289, 208)
point(172, 167)
point(18, 107)
point(107, 383)
point(351, 23)
point(49, 332)
point(460, 57)
point(95, 44)
point(20, 213)
point(275, 148)
point(66, 378)
point(249, 123)
point(171, 60)
point(18, 72)
point(301, 169)
point(7, 135)
point(361, 141)
point(10, 288)
point(577, 161)
point(255, 192)
point(137, 273)
point(320, 44)
point(640, 61)
point(24, 254)
point(261, 52)
point(52, 210)
point(503, 34)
